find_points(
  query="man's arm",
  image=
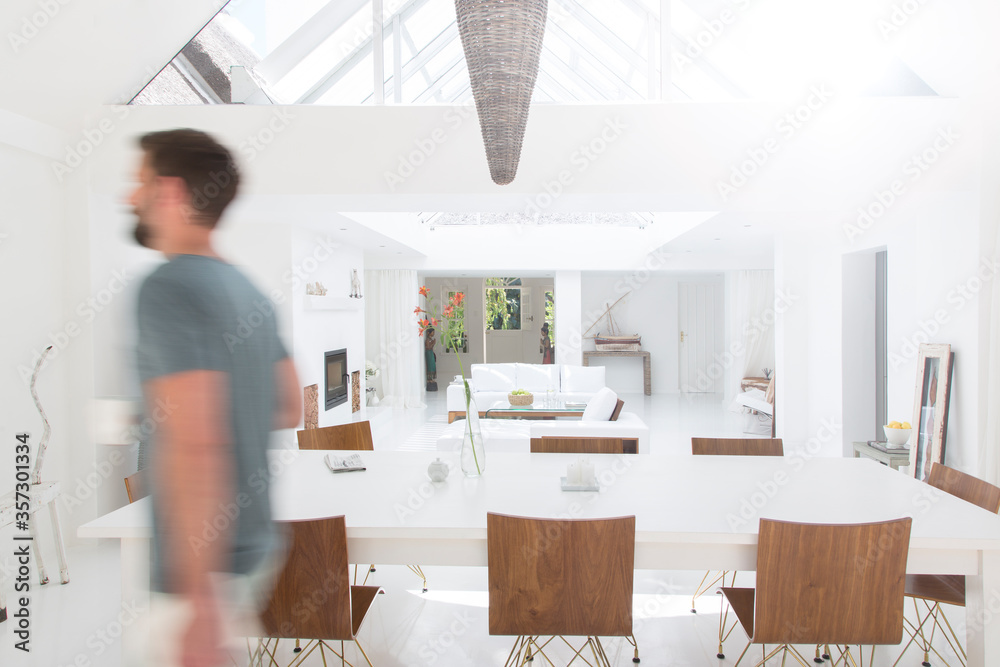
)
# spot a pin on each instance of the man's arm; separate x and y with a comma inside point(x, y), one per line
point(194, 475)
point(288, 402)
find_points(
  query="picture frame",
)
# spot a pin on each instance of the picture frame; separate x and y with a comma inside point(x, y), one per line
point(930, 408)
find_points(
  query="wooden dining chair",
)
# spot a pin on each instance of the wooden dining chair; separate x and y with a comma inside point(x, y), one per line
point(137, 485)
point(571, 445)
point(825, 584)
point(558, 578)
point(729, 447)
point(351, 436)
point(934, 590)
point(313, 598)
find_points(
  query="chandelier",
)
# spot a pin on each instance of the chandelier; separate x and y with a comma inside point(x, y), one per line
point(502, 40)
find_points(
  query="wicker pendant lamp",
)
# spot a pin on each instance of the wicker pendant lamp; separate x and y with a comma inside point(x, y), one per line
point(502, 40)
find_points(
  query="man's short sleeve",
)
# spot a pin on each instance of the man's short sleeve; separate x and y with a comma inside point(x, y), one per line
point(176, 333)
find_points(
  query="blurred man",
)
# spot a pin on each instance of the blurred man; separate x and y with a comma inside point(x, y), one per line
point(216, 386)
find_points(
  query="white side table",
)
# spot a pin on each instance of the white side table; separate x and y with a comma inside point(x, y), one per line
point(892, 459)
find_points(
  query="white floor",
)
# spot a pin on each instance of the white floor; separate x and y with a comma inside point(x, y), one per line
point(78, 624)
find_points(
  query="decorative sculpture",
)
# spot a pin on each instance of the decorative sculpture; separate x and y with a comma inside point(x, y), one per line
point(431, 360)
point(315, 289)
point(502, 40)
point(355, 285)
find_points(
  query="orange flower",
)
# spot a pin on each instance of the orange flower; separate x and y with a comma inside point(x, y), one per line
point(434, 322)
point(448, 311)
point(457, 298)
point(418, 310)
point(423, 323)
point(424, 291)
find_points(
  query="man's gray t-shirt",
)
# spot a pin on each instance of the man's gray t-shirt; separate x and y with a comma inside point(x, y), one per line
point(200, 313)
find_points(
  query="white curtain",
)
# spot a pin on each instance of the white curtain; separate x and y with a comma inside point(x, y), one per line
point(989, 448)
point(755, 320)
point(394, 345)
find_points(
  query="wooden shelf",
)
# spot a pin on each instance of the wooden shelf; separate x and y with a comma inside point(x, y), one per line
point(327, 302)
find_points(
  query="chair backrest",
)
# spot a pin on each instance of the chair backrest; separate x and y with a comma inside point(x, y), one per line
point(617, 411)
point(830, 584)
point(355, 435)
point(968, 488)
point(137, 485)
point(560, 577)
point(737, 447)
point(312, 597)
point(584, 445)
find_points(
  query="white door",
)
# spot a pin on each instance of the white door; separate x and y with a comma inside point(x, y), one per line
point(700, 336)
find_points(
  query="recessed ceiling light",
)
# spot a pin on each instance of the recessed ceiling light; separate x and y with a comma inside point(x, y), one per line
point(747, 225)
point(343, 229)
point(382, 246)
point(717, 238)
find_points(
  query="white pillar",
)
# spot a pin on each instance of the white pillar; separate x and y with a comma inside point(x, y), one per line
point(568, 317)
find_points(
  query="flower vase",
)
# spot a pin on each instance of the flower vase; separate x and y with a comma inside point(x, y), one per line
point(473, 449)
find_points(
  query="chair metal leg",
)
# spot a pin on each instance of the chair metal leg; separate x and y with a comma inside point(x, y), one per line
point(60, 545)
point(43, 578)
point(417, 570)
point(723, 617)
point(632, 640)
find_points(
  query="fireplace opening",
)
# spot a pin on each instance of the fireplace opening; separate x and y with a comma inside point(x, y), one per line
point(337, 377)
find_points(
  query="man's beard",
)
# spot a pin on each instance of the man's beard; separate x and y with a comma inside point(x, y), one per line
point(142, 233)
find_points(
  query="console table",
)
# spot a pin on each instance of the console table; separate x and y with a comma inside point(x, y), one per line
point(893, 459)
point(647, 383)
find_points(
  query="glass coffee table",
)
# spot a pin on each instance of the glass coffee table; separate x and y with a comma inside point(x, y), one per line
point(538, 410)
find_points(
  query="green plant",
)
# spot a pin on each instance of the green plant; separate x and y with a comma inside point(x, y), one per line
point(520, 392)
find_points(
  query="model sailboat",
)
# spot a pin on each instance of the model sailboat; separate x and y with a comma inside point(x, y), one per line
point(614, 340)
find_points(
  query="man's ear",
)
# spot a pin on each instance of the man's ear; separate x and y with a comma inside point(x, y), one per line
point(172, 190)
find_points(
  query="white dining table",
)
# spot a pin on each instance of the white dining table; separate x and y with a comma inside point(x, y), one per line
point(692, 513)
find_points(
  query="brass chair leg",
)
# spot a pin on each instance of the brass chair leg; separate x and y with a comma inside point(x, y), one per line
point(632, 640)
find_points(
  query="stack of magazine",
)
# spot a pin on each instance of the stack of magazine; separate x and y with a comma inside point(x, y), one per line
point(884, 446)
point(344, 463)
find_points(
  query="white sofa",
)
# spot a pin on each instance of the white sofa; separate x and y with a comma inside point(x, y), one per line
point(492, 382)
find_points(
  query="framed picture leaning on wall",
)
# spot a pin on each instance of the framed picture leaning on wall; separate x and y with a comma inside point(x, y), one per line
point(930, 409)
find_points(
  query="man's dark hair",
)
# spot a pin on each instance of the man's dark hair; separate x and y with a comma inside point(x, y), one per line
point(207, 167)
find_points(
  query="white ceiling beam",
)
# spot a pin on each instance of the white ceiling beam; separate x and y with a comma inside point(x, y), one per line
point(307, 39)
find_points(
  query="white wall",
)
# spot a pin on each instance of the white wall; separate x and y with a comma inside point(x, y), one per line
point(858, 349)
point(568, 316)
point(318, 331)
point(650, 310)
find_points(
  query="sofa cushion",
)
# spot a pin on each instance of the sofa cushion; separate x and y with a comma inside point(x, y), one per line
point(601, 406)
point(493, 377)
point(582, 379)
point(537, 377)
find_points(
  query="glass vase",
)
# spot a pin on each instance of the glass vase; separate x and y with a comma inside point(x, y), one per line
point(473, 449)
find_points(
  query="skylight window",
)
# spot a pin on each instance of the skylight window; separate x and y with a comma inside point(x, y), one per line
point(597, 51)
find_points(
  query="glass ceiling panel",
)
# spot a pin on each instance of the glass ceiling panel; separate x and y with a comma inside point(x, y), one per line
point(321, 52)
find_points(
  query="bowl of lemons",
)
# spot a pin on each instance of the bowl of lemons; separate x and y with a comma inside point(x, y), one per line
point(897, 433)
